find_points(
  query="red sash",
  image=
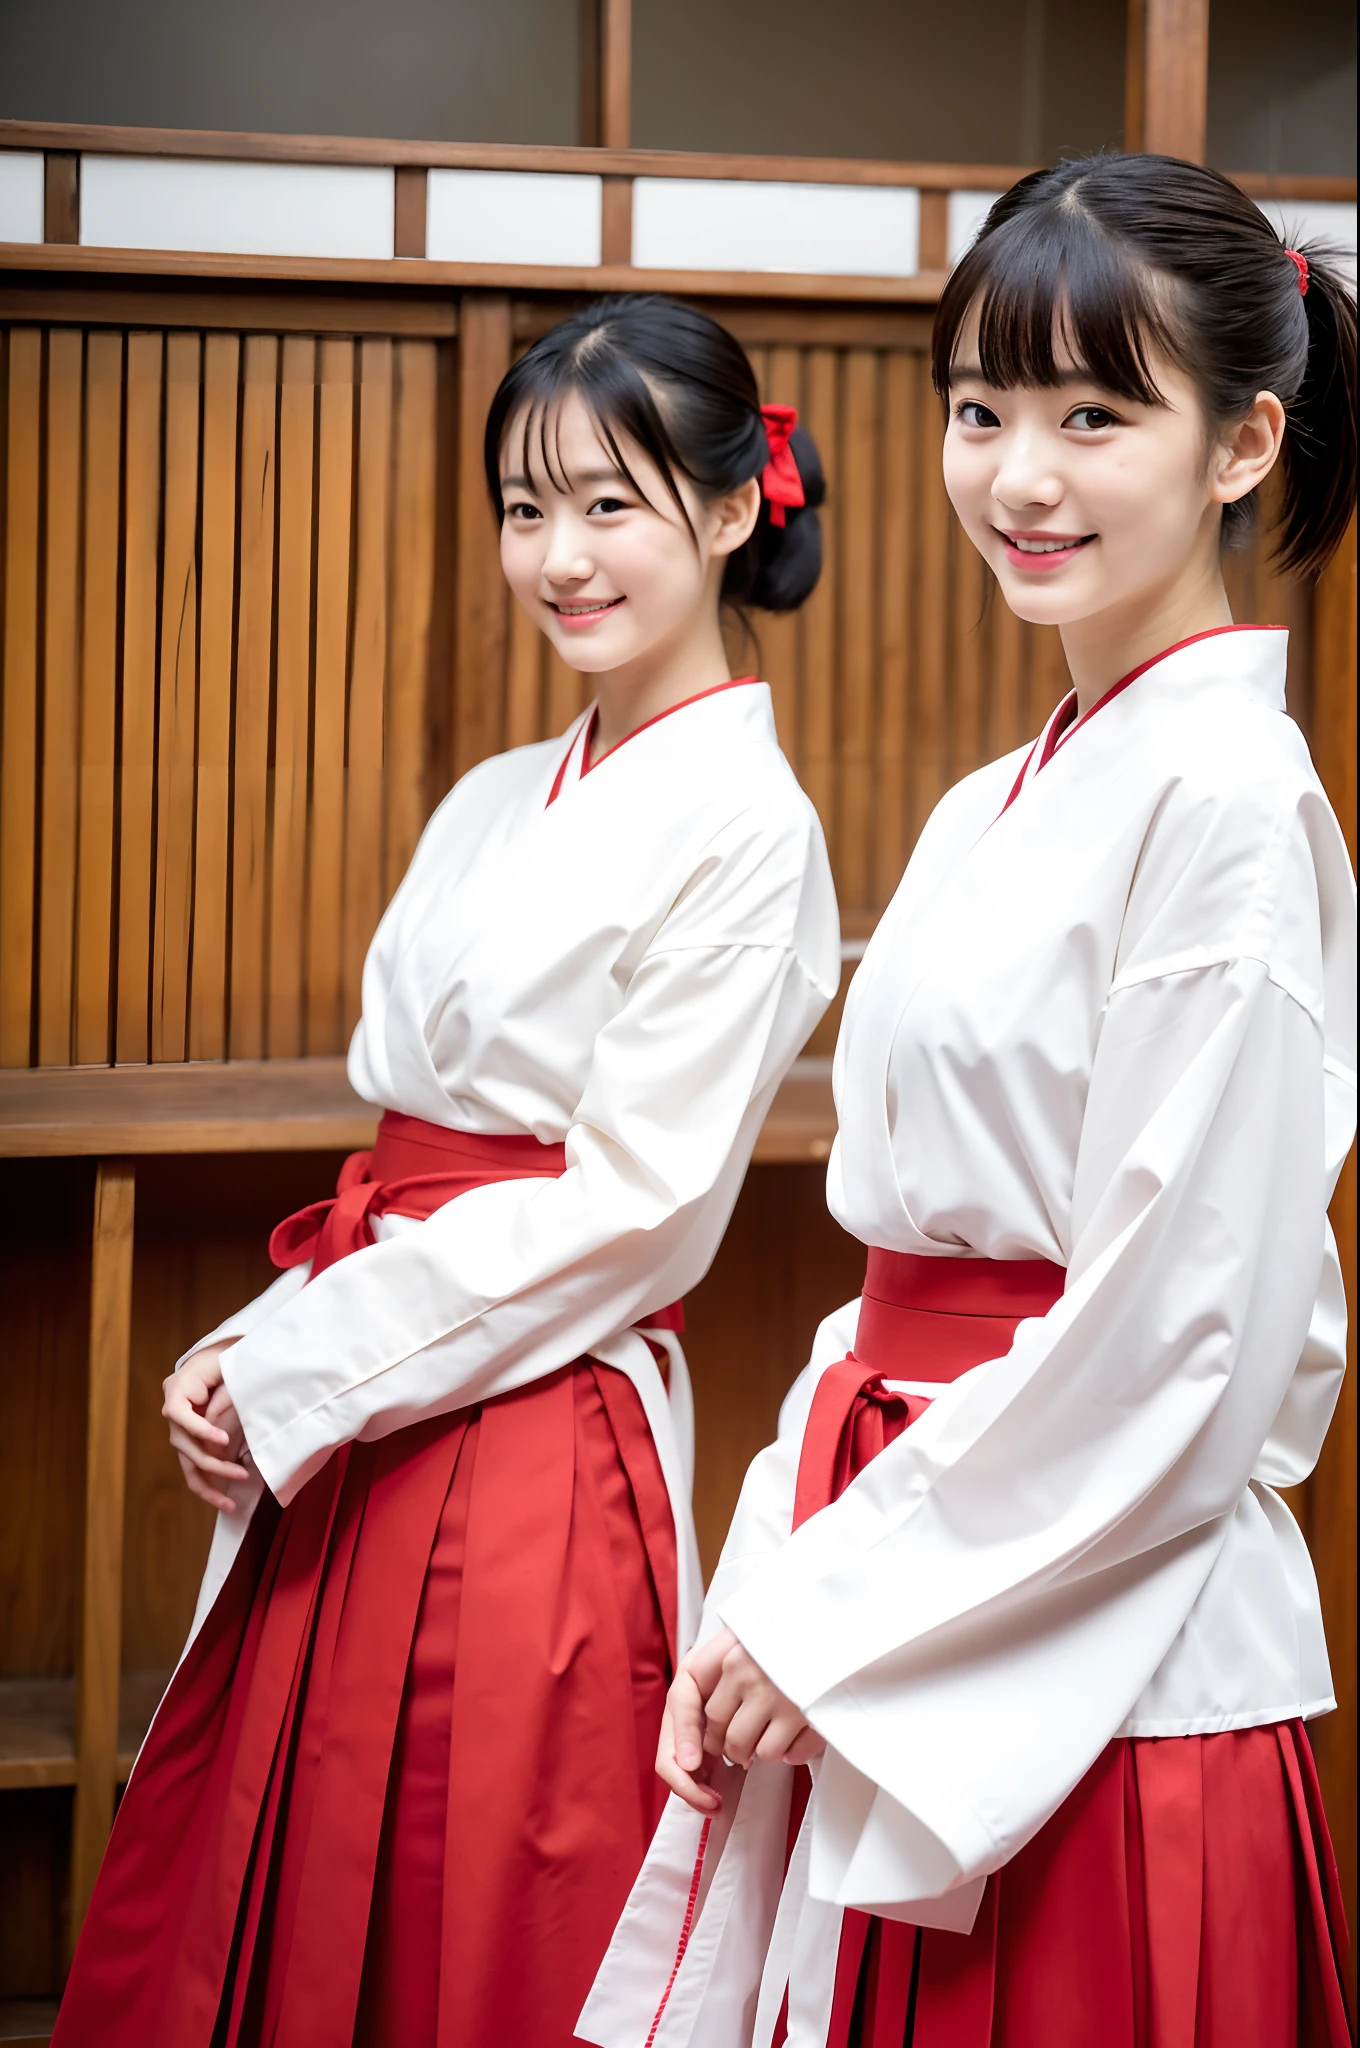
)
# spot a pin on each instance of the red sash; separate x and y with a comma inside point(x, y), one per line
point(920, 1319)
point(414, 1169)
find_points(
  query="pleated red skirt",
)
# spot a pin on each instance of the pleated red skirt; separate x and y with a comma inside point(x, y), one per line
point(403, 1780)
point(1185, 1895)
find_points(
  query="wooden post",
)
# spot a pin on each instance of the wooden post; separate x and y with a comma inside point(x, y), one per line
point(480, 601)
point(607, 112)
point(1166, 77)
point(932, 251)
point(105, 1476)
point(412, 188)
point(1331, 1502)
point(61, 196)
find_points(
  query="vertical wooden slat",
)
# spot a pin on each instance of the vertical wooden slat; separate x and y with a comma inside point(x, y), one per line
point(292, 699)
point(480, 624)
point(326, 856)
point(19, 716)
point(781, 380)
point(412, 592)
point(368, 668)
point(616, 220)
point(61, 196)
point(897, 552)
point(859, 583)
point(254, 675)
point(523, 679)
point(105, 1475)
point(616, 73)
point(177, 706)
point(818, 679)
point(60, 699)
point(966, 656)
point(1331, 1503)
point(933, 241)
point(98, 696)
point(137, 743)
point(928, 726)
point(208, 983)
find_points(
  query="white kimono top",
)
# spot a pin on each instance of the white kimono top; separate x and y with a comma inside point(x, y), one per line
point(630, 969)
point(1111, 1025)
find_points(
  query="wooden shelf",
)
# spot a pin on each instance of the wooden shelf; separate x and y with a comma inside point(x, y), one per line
point(38, 1728)
point(278, 1106)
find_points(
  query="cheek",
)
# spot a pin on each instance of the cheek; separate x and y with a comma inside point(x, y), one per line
point(968, 476)
point(521, 556)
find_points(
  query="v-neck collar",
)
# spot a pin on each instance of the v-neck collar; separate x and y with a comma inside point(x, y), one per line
point(578, 747)
point(1064, 723)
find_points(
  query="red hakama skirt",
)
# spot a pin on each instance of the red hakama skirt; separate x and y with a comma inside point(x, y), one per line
point(402, 1782)
point(1185, 1895)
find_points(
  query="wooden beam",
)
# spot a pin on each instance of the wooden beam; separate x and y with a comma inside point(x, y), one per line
point(61, 196)
point(1166, 78)
point(105, 1480)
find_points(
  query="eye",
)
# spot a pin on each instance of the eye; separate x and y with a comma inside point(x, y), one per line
point(521, 513)
point(1091, 419)
point(608, 505)
point(971, 412)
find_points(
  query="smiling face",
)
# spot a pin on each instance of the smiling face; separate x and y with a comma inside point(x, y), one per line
point(1082, 501)
point(609, 568)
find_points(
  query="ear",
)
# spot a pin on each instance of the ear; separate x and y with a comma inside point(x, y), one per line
point(1248, 452)
point(734, 517)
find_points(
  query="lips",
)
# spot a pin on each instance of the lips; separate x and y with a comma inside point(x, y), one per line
point(1043, 551)
point(586, 613)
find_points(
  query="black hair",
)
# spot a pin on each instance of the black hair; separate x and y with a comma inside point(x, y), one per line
point(1115, 259)
point(666, 377)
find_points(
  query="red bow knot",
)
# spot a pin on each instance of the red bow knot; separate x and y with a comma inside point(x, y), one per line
point(780, 483)
point(1300, 264)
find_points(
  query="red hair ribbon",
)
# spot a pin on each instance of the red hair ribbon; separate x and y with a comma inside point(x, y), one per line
point(780, 483)
point(1300, 264)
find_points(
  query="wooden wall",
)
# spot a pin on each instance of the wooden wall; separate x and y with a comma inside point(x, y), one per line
point(253, 625)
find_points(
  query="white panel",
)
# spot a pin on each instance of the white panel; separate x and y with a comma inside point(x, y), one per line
point(21, 195)
point(129, 202)
point(967, 211)
point(832, 230)
point(513, 217)
point(1320, 220)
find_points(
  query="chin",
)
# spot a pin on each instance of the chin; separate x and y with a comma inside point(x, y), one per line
point(1044, 605)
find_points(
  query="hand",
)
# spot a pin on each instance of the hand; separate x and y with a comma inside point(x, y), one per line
point(204, 1428)
point(722, 1704)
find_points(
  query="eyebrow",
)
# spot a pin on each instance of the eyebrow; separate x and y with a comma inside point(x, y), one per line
point(584, 476)
point(960, 371)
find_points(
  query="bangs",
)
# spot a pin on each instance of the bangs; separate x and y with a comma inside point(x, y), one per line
point(1052, 294)
point(621, 406)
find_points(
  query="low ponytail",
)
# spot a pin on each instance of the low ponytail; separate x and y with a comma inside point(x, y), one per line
point(1319, 456)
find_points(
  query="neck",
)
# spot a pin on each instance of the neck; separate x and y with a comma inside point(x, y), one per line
point(1108, 646)
point(655, 682)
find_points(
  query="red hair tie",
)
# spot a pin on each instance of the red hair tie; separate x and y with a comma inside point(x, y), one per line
point(780, 483)
point(1300, 264)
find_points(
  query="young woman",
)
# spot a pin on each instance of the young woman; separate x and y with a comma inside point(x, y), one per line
point(1015, 1577)
point(402, 1781)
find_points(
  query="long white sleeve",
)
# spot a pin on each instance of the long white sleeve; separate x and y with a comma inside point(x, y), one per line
point(513, 1281)
point(974, 1619)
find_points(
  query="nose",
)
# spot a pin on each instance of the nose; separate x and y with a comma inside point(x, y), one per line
point(1027, 473)
point(568, 558)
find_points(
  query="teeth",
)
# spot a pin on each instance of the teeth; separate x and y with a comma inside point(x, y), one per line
point(575, 610)
point(1044, 547)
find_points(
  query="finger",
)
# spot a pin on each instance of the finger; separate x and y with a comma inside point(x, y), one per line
point(805, 1748)
point(705, 1661)
point(222, 1501)
point(189, 1452)
point(782, 1731)
point(746, 1730)
point(685, 1709)
point(180, 1414)
point(688, 1786)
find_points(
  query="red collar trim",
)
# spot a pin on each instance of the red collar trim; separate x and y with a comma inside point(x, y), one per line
point(1064, 722)
point(587, 765)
